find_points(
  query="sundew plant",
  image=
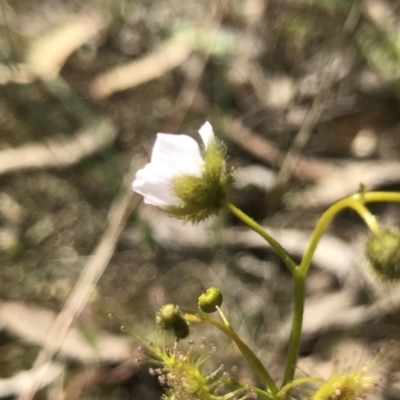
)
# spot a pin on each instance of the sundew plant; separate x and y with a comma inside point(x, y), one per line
point(192, 182)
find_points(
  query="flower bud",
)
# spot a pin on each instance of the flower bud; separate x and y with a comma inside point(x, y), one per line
point(210, 300)
point(383, 254)
point(181, 329)
point(170, 318)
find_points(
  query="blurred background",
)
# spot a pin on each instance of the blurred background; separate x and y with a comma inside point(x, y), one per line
point(305, 94)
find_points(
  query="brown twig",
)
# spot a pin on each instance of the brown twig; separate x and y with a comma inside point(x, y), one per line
point(90, 275)
point(48, 53)
point(32, 323)
point(290, 162)
point(190, 89)
point(58, 152)
point(306, 168)
point(46, 374)
point(136, 72)
point(95, 376)
point(328, 76)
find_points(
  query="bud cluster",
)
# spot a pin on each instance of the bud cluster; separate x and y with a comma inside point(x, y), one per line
point(181, 373)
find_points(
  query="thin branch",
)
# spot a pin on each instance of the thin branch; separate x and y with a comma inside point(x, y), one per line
point(119, 212)
point(58, 152)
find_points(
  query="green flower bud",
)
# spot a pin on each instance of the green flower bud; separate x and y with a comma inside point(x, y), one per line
point(181, 329)
point(210, 300)
point(170, 318)
point(168, 315)
point(383, 254)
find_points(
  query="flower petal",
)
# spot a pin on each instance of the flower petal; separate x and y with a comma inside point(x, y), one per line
point(207, 134)
point(179, 154)
point(155, 185)
point(173, 156)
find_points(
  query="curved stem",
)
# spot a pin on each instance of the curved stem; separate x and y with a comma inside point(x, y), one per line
point(369, 219)
point(378, 197)
point(260, 393)
point(251, 358)
point(297, 323)
point(297, 382)
point(282, 253)
point(356, 202)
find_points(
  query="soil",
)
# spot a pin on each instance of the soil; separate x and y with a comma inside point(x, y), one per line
point(311, 80)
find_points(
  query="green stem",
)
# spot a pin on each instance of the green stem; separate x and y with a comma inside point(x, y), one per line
point(379, 197)
point(369, 219)
point(295, 334)
point(298, 382)
point(356, 202)
point(260, 393)
point(282, 253)
point(251, 358)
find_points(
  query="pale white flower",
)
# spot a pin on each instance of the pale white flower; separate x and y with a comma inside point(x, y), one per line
point(172, 156)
